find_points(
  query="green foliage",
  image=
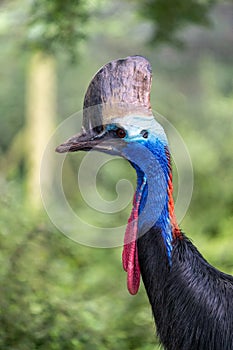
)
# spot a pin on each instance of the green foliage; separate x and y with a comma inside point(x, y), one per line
point(11, 98)
point(169, 16)
point(56, 294)
point(57, 25)
point(54, 25)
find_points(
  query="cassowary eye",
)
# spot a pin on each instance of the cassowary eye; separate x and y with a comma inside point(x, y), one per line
point(144, 133)
point(120, 133)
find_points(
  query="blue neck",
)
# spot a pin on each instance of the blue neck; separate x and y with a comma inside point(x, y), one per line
point(152, 166)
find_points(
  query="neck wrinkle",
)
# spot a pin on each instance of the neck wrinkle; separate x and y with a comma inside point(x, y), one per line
point(176, 232)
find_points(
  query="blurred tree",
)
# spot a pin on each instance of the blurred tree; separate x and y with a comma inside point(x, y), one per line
point(41, 111)
point(169, 16)
point(58, 25)
point(52, 26)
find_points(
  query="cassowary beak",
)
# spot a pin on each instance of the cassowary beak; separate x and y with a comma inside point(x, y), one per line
point(88, 140)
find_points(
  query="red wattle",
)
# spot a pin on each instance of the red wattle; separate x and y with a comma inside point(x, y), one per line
point(130, 252)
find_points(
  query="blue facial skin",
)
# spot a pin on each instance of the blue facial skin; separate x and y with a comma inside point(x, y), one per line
point(148, 157)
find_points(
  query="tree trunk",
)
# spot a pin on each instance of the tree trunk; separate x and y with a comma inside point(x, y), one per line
point(40, 111)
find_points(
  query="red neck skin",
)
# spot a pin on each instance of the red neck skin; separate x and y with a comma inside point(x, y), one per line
point(130, 253)
point(176, 232)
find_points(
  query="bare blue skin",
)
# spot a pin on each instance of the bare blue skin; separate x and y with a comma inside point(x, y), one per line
point(148, 157)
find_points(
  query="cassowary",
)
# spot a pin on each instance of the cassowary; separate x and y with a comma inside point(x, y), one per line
point(192, 302)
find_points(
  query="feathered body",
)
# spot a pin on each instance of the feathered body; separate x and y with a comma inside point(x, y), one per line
point(192, 302)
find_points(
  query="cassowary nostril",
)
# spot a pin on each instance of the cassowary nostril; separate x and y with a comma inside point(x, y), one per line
point(144, 134)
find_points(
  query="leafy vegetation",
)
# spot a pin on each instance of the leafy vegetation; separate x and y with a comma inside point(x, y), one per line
point(170, 16)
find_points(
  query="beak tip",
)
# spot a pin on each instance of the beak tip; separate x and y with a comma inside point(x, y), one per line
point(61, 149)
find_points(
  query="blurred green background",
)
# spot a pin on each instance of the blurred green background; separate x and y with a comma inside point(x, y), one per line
point(56, 294)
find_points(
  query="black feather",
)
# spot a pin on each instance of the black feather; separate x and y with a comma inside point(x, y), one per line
point(192, 302)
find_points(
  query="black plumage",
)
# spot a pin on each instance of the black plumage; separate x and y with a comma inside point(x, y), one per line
point(192, 302)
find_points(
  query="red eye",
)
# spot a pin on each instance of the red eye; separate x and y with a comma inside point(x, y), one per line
point(120, 133)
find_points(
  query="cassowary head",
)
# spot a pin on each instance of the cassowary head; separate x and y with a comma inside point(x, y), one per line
point(117, 109)
point(117, 119)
